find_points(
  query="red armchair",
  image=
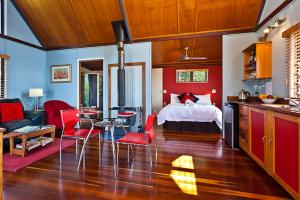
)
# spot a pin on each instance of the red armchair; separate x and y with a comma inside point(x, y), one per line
point(52, 109)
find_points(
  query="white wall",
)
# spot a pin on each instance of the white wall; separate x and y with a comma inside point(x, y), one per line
point(157, 87)
point(279, 69)
point(235, 43)
point(270, 6)
point(233, 69)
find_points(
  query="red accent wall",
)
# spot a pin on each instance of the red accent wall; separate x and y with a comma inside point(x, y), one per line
point(214, 82)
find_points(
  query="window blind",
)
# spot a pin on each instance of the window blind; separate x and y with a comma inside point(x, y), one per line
point(3, 78)
point(293, 64)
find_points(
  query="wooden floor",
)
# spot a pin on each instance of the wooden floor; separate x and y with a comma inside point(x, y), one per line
point(189, 166)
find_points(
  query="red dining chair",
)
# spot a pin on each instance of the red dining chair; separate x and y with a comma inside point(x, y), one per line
point(70, 120)
point(141, 139)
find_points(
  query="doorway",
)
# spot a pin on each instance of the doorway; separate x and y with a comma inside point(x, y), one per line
point(91, 84)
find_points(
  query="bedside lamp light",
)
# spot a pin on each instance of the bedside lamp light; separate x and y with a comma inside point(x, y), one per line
point(36, 93)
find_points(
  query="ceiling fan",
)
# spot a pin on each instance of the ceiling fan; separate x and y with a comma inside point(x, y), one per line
point(187, 58)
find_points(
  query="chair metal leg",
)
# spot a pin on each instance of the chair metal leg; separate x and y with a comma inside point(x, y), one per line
point(156, 151)
point(76, 144)
point(102, 147)
point(131, 169)
point(100, 150)
point(60, 153)
point(132, 153)
point(83, 148)
point(83, 164)
point(118, 156)
point(128, 153)
point(114, 151)
point(150, 159)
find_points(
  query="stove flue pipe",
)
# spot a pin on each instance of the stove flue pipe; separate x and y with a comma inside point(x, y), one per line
point(121, 69)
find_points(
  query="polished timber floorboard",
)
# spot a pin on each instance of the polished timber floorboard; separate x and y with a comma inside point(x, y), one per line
point(189, 166)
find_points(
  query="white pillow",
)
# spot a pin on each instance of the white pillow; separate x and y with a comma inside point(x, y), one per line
point(203, 99)
point(174, 98)
point(189, 102)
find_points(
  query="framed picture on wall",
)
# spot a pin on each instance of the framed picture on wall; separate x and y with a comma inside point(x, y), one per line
point(192, 76)
point(61, 73)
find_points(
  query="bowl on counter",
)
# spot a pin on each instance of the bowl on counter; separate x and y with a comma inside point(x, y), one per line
point(269, 101)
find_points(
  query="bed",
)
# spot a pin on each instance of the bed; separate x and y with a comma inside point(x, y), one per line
point(201, 116)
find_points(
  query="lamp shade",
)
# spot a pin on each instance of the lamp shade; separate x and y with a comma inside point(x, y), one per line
point(36, 92)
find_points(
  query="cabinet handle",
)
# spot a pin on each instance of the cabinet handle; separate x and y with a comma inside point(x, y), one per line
point(270, 141)
point(263, 139)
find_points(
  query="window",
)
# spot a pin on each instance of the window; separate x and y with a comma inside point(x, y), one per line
point(3, 77)
point(293, 60)
point(192, 76)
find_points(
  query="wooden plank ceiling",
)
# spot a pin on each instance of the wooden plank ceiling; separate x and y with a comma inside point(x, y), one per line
point(158, 18)
point(170, 52)
point(170, 24)
point(71, 23)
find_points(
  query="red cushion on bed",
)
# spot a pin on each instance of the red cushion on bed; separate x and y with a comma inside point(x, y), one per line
point(186, 96)
point(11, 111)
point(194, 98)
point(181, 96)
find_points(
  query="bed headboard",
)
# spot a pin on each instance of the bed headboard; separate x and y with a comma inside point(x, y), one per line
point(214, 82)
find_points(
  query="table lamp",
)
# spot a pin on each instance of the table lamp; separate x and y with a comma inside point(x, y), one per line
point(36, 92)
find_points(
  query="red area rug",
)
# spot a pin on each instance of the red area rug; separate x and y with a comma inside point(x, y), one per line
point(15, 163)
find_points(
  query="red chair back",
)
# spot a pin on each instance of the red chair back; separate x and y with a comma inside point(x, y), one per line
point(69, 120)
point(149, 126)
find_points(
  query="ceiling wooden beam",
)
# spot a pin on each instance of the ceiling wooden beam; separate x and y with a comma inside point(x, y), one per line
point(21, 41)
point(197, 34)
point(189, 63)
point(27, 22)
point(275, 12)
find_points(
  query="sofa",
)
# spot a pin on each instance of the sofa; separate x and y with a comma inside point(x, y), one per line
point(13, 116)
point(52, 109)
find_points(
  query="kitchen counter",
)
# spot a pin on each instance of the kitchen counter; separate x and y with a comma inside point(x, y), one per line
point(270, 136)
point(256, 103)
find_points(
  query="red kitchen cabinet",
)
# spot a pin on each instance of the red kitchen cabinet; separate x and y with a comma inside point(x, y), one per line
point(257, 135)
point(286, 152)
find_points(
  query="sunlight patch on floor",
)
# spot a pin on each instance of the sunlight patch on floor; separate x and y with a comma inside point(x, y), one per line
point(186, 181)
point(184, 161)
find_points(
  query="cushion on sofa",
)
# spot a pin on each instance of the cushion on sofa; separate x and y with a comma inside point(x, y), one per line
point(11, 111)
point(15, 124)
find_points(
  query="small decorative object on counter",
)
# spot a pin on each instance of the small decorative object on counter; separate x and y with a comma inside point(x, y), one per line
point(267, 98)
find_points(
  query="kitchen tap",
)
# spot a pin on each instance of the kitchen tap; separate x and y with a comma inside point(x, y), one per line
point(296, 101)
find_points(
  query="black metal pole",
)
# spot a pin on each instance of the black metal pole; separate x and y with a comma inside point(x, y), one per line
point(121, 69)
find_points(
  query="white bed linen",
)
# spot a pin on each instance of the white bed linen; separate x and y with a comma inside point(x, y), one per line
point(193, 113)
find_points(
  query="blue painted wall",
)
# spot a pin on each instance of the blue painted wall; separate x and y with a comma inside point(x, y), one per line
point(17, 27)
point(30, 67)
point(26, 69)
point(138, 52)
